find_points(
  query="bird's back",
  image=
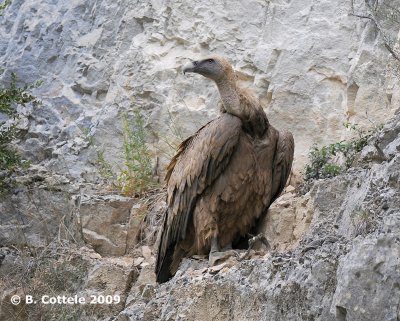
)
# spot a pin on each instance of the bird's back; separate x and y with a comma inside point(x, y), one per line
point(240, 195)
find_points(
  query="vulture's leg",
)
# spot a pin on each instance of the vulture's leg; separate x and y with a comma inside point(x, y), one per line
point(227, 248)
point(214, 245)
point(216, 256)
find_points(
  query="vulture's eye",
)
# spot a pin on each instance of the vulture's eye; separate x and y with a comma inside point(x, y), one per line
point(210, 61)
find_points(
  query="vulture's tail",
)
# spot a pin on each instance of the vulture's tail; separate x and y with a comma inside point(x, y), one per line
point(167, 268)
point(164, 267)
point(170, 252)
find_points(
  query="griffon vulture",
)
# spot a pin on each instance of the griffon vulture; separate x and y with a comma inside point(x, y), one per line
point(224, 177)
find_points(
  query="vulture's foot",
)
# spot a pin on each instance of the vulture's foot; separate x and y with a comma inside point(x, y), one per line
point(216, 258)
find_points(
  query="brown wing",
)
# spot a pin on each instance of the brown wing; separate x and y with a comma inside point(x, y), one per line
point(282, 162)
point(200, 160)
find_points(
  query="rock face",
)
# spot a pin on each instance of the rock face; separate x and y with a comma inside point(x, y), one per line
point(371, 267)
point(335, 251)
point(312, 64)
point(38, 210)
point(345, 267)
point(64, 272)
point(105, 222)
point(287, 220)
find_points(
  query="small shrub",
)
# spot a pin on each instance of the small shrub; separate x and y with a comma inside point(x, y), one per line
point(172, 138)
point(137, 175)
point(333, 159)
point(89, 138)
point(104, 167)
point(4, 5)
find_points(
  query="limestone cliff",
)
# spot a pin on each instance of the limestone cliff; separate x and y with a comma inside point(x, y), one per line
point(313, 65)
point(334, 251)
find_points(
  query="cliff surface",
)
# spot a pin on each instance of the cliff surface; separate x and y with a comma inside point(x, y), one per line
point(334, 251)
point(313, 65)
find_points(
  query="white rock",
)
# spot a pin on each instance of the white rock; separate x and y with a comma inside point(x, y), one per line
point(138, 261)
point(312, 64)
point(146, 252)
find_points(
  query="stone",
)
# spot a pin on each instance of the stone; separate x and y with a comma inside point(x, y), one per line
point(109, 278)
point(215, 269)
point(148, 291)
point(104, 222)
point(35, 213)
point(134, 225)
point(146, 276)
point(371, 154)
point(287, 219)
point(146, 252)
point(307, 82)
point(371, 267)
point(138, 261)
point(393, 148)
point(289, 189)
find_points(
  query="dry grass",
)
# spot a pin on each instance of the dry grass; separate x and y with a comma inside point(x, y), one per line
point(58, 269)
point(152, 210)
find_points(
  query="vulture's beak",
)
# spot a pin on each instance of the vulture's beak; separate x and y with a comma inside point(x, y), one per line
point(190, 67)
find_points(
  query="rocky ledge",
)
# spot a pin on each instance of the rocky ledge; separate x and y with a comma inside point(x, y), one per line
point(346, 266)
point(335, 252)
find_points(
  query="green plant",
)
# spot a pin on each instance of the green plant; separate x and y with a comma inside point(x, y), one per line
point(10, 98)
point(176, 130)
point(136, 176)
point(105, 168)
point(172, 138)
point(333, 159)
point(4, 5)
point(88, 136)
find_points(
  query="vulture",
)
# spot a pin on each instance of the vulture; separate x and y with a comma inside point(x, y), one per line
point(224, 177)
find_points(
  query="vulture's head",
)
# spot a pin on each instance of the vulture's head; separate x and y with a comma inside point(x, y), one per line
point(214, 67)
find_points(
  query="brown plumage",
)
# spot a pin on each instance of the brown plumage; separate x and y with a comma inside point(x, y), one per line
point(224, 177)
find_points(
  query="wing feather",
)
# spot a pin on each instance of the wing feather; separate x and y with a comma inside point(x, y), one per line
point(200, 160)
point(282, 162)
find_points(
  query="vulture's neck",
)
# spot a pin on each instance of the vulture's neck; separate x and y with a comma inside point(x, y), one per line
point(246, 107)
point(230, 96)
